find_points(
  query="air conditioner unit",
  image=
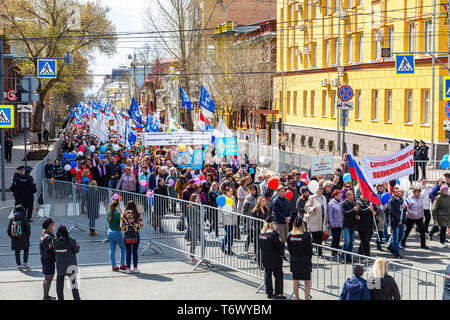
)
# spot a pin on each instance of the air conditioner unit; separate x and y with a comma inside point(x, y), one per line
point(335, 82)
point(301, 27)
point(324, 82)
point(306, 50)
point(379, 36)
point(298, 52)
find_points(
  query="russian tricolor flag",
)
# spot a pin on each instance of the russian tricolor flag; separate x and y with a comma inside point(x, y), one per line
point(205, 125)
point(125, 116)
point(367, 189)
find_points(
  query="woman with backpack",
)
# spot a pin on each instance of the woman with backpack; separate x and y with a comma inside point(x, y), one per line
point(66, 250)
point(48, 258)
point(19, 231)
point(115, 236)
point(131, 223)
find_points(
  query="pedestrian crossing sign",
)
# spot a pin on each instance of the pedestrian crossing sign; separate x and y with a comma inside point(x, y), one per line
point(404, 64)
point(6, 117)
point(446, 88)
point(46, 69)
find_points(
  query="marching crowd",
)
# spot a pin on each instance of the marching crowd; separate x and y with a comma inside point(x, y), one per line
point(296, 215)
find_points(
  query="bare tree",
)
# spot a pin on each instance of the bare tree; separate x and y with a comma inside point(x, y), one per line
point(176, 23)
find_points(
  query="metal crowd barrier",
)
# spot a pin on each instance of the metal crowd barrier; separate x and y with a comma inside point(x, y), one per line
point(218, 237)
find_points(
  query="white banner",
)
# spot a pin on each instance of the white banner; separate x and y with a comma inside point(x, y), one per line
point(322, 165)
point(175, 138)
point(385, 168)
point(99, 130)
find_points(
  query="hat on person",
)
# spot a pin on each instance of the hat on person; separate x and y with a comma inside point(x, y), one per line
point(20, 168)
point(304, 189)
point(298, 173)
point(421, 141)
point(298, 221)
point(402, 146)
point(444, 187)
point(28, 169)
point(358, 270)
point(192, 181)
point(269, 219)
point(47, 223)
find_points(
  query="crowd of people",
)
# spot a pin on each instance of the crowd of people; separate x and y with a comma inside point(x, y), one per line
point(289, 215)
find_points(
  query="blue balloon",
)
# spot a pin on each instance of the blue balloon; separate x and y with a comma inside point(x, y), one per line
point(72, 156)
point(398, 181)
point(385, 197)
point(221, 201)
point(122, 166)
point(213, 139)
point(445, 164)
point(347, 177)
point(125, 153)
point(66, 155)
point(73, 164)
point(101, 156)
point(446, 157)
point(252, 171)
point(103, 149)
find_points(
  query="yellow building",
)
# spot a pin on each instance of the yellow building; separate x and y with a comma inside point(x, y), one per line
point(389, 109)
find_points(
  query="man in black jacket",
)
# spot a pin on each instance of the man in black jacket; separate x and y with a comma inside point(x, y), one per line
point(395, 209)
point(282, 214)
point(350, 217)
point(8, 149)
point(366, 212)
point(114, 172)
point(24, 189)
point(423, 158)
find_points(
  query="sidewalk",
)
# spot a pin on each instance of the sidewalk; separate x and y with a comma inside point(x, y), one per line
point(17, 159)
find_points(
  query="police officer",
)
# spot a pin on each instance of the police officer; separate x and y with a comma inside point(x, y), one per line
point(416, 158)
point(14, 186)
point(423, 157)
point(272, 250)
point(299, 244)
point(25, 188)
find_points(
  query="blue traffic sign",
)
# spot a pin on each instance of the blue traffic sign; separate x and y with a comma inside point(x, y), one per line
point(404, 64)
point(447, 109)
point(446, 89)
point(47, 68)
point(6, 117)
point(346, 93)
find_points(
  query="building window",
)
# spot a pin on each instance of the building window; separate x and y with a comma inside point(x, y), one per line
point(313, 103)
point(409, 107)
point(374, 105)
point(377, 43)
point(307, 8)
point(326, 52)
point(314, 51)
point(324, 104)
point(425, 107)
point(336, 50)
point(328, 7)
point(295, 102)
point(288, 102)
point(305, 103)
point(333, 104)
point(391, 38)
point(428, 35)
point(336, 5)
point(360, 47)
point(350, 49)
point(349, 4)
point(411, 37)
point(388, 106)
point(358, 105)
point(292, 58)
point(299, 58)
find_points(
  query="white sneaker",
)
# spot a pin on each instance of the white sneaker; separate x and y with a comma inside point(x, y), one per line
point(25, 267)
point(443, 245)
point(135, 270)
point(19, 267)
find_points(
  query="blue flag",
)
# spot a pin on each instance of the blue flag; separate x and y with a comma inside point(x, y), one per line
point(206, 101)
point(130, 137)
point(148, 125)
point(185, 100)
point(135, 113)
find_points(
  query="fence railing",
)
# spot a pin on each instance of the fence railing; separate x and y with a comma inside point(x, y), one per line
point(215, 236)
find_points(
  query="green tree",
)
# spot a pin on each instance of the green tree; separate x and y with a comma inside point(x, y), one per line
point(45, 28)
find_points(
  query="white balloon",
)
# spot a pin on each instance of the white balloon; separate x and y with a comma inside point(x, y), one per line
point(262, 159)
point(313, 186)
point(80, 154)
point(92, 148)
point(116, 148)
point(405, 185)
point(67, 167)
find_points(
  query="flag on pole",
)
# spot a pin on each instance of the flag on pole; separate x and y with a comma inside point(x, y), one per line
point(367, 189)
point(130, 137)
point(185, 101)
point(206, 101)
point(205, 125)
point(135, 113)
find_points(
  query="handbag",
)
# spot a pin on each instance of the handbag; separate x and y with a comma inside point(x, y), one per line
point(181, 225)
point(131, 237)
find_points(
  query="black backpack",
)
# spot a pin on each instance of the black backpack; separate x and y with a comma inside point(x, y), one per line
point(16, 229)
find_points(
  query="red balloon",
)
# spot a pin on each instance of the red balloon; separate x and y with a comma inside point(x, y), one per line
point(273, 183)
point(304, 174)
point(73, 171)
point(202, 177)
point(289, 195)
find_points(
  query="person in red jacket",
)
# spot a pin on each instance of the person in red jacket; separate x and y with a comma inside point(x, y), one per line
point(82, 166)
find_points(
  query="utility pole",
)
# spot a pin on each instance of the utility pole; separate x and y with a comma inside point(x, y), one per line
point(433, 146)
point(282, 73)
point(339, 78)
point(2, 39)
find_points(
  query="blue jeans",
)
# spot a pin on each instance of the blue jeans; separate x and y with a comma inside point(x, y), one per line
point(401, 233)
point(116, 239)
point(386, 234)
point(228, 239)
point(133, 247)
point(395, 239)
point(112, 183)
point(349, 238)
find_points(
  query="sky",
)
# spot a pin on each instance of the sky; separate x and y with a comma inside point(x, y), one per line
point(127, 15)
